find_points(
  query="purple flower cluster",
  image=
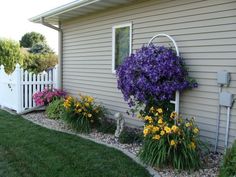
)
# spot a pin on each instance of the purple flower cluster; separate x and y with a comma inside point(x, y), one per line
point(47, 95)
point(152, 73)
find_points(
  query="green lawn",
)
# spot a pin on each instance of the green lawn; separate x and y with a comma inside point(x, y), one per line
point(28, 150)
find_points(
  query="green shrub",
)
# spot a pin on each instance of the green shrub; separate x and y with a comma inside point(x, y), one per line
point(228, 167)
point(10, 54)
point(83, 114)
point(130, 137)
point(169, 144)
point(107, 126)
point(37, 63)
point(55, 108)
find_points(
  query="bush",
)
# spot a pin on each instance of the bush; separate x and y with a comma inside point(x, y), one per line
point(83, 114)
point(10, 54)
point(130, 137)
point(169, 143)
point(43, 98)
point(151, 75)
point(228, 167)
point(37, 63)
point(55, 109)
point(107, 126)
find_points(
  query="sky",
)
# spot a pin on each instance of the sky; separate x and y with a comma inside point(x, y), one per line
point(14, 15)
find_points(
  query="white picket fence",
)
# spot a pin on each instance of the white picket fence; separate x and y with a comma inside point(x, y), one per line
point(17, 89)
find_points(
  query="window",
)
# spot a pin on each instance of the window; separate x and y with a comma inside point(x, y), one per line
point(121, 44)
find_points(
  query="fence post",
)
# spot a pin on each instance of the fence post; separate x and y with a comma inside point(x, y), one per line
point(18, 88)
point(55, 77)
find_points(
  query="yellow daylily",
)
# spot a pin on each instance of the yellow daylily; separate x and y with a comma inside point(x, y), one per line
point(172, 143)
point(159, 110)
point(155, 129)
point(160, 121)
point(156, 137)
point(174, 128)
point(167, 129)
point(162, 132)
point(196, 130)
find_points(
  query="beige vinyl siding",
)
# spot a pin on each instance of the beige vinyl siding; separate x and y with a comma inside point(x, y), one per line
point(205, 32)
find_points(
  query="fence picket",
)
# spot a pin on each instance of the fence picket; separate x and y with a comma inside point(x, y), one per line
point(34, 87)
point(26, 96)
point(30, 90)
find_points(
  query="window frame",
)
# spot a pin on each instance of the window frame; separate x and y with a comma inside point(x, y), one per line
point(114, 42)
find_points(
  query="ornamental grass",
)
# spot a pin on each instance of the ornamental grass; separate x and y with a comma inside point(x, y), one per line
point(170, 140)
point(82, 113)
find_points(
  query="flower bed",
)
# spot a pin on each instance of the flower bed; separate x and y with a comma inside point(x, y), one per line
point(211, 161)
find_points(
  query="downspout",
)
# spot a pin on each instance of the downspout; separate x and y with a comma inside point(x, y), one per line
point(60, 53)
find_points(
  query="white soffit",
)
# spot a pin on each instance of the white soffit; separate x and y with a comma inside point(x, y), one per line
point(76, 9)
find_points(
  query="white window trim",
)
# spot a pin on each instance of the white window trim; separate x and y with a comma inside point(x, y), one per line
point(113, 42)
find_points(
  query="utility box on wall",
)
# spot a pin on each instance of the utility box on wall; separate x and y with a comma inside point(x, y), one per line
point(226, 99)
point(223, 77)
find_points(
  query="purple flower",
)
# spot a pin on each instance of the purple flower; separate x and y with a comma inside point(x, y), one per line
point(152, 73)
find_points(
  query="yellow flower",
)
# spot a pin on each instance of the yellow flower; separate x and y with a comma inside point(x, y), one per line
point(196, 130)
point(89, 115)
point(155, 129)
point(145, 132)
point(156, 137)
point(151, 109)
point(174, 128)
point(187, 124)
point(149, 119)
point(173, 115)
point(90, 99)
point(77, 105)
point(79, 110)
point(167, 129)
point(159, 110)
point(172, 143)
point(86, 104)
point(162, 132)
point(192, 145)
point(149, 127)
point(160, 121)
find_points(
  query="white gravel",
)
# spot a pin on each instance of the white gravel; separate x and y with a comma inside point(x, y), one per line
point(211, 161)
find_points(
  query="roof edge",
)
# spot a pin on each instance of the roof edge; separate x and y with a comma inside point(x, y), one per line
point(61, 9)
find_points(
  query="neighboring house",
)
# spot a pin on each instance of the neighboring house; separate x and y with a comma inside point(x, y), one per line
point(205, 31)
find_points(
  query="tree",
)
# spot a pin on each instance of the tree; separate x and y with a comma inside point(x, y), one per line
point(40, 48)
point(29, 39)
point(10, 54)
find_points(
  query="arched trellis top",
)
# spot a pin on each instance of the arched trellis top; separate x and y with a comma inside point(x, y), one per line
point(177, 95)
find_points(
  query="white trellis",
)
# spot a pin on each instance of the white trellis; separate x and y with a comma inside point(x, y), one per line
point(177, 95)
point(17, 89)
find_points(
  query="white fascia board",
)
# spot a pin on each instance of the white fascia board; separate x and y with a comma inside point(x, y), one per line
point(62, 9)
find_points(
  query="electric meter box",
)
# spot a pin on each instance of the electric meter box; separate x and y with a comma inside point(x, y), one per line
point(226, 99)
point(223, 77)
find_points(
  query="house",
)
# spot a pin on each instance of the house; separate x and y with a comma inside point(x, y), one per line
point(205, 31)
